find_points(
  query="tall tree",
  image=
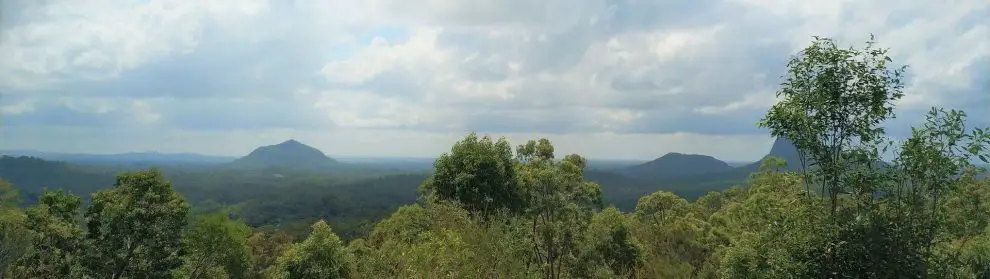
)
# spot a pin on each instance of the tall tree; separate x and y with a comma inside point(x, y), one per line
point(478, 173)
point(134, 229)
point(561, 204)
point(934, 163)
point(834, 101)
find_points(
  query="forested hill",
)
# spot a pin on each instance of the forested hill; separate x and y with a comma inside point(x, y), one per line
point(289, 154)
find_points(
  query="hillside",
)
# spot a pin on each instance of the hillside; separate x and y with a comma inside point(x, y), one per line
point(672, 165)
point(32, 175)
point(290, 154)
point(688, 175)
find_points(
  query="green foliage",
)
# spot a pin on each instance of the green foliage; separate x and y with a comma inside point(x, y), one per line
point(215, 242)
point(351, 202)
point(405, 245)
point(673, 232)
point(14, 236)
point(499, 249)
point(8, 195)
point(609, 248)
point(57, 235)
point(134, 229)
point(440, 254)
point(885, 220)
point(561, 204)
point(479, 174)
point(33, 176)
point(266, 246)
point(834, 102)
point(384, 254)
point(715, 200)
point(773, 230)
point(321, 256)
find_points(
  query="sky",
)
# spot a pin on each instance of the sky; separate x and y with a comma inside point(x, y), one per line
point(616, 79)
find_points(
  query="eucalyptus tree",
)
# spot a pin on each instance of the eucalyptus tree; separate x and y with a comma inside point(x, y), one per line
point(833, 103)
point(478, 173)
point(560, 202)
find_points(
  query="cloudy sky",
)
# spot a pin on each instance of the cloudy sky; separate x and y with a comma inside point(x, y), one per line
point(603, 78)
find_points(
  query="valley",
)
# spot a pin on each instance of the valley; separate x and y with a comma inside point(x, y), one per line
point(292, 184)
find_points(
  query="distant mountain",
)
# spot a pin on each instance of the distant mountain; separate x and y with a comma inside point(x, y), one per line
point(31, 175)
point(674, 165)
point(783, 148)
point(132, 158)
point(688, 176)
point(290, 154)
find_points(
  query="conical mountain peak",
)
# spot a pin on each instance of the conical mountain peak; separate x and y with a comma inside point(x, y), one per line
point(291, 142)
point(290, 153)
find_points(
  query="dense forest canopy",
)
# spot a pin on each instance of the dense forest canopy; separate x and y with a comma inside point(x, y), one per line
point(830, 207)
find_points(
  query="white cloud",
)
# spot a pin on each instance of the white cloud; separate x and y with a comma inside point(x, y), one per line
point(609, 68)
point(99, 39)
